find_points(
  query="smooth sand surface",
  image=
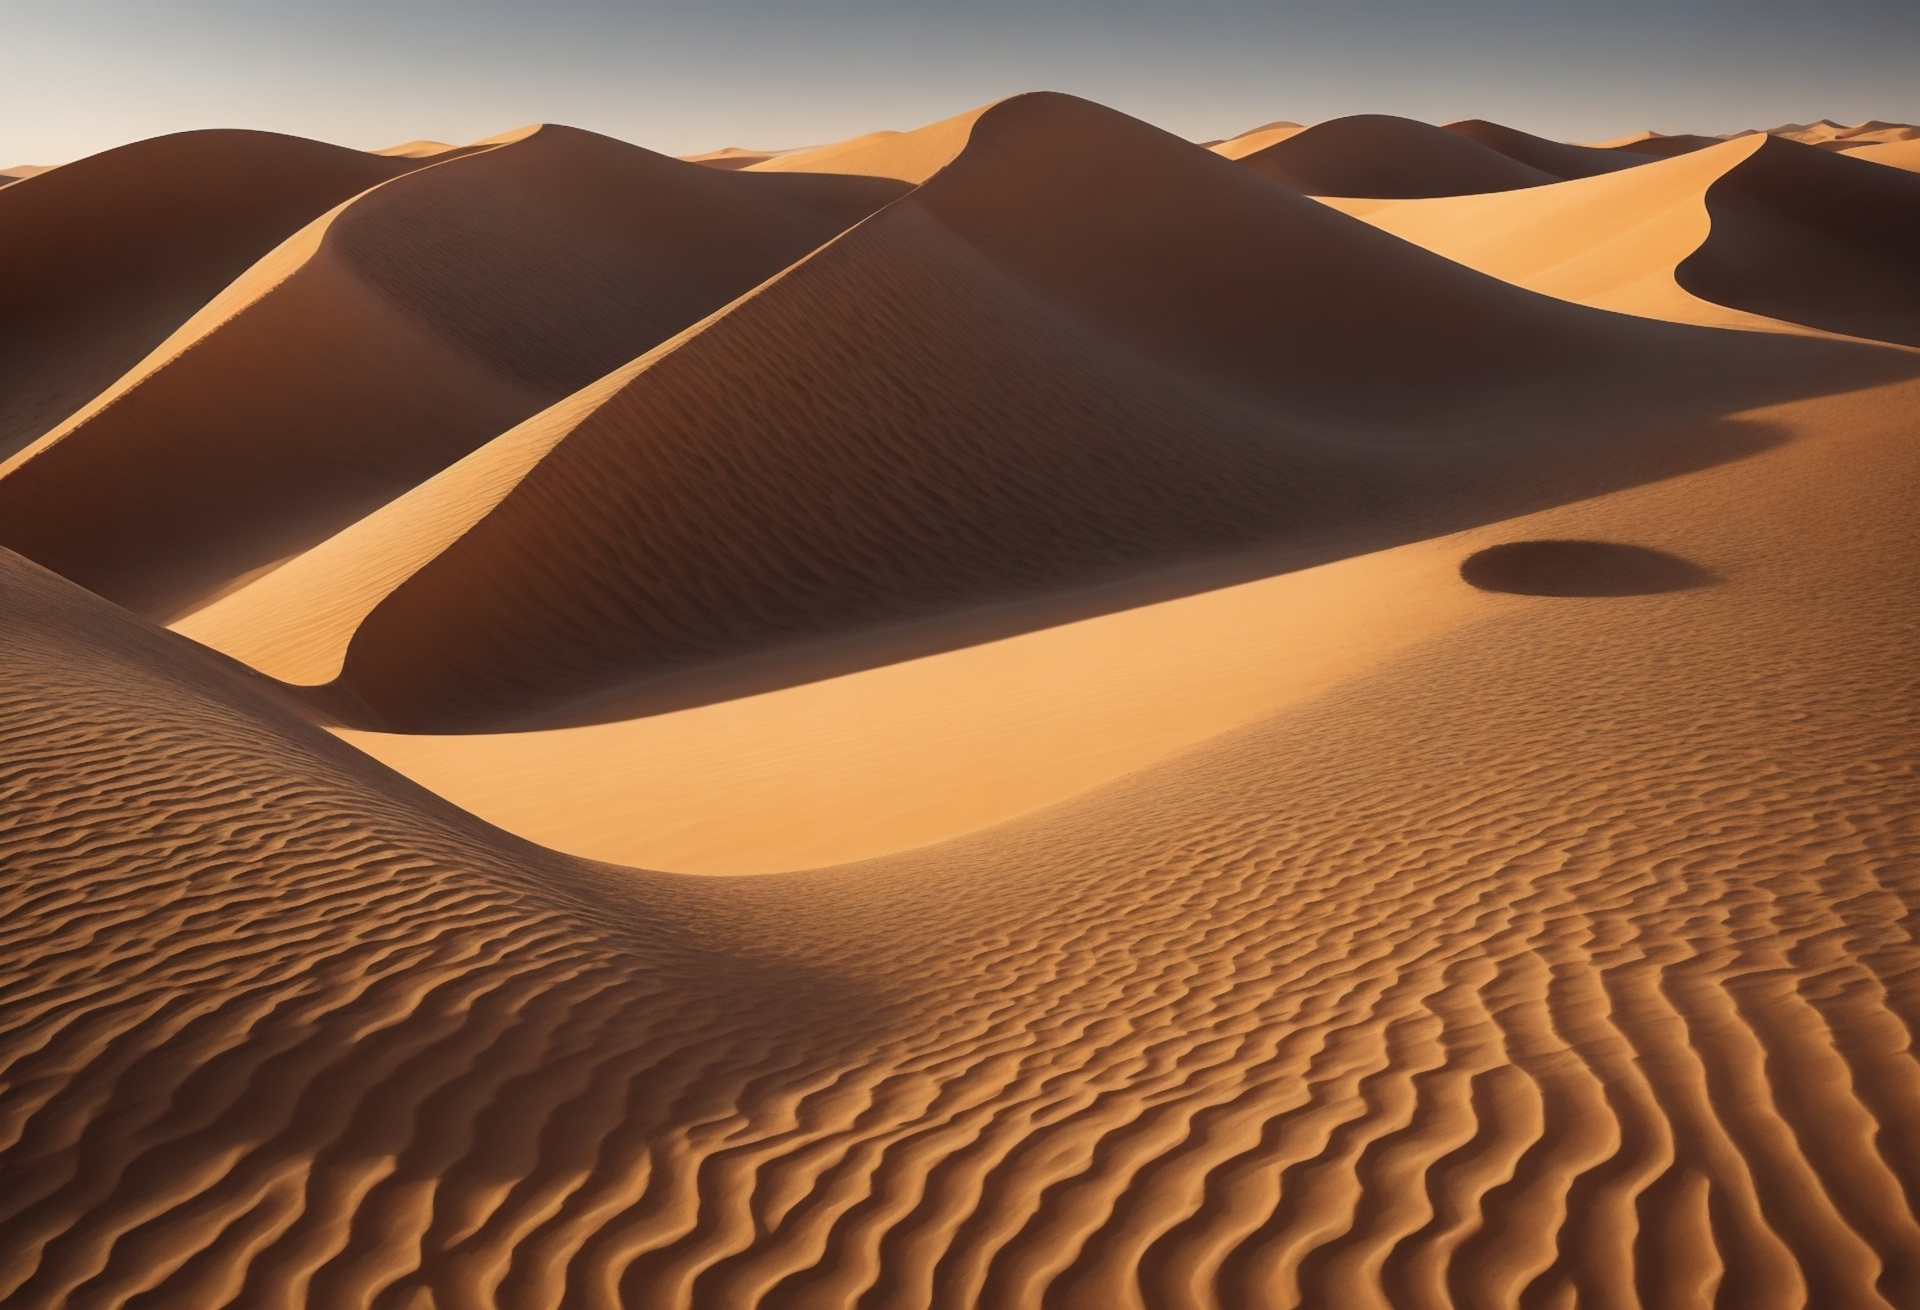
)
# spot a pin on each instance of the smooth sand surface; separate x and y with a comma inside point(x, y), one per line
point(1381, 155)
point(1896, 154)
point(1753, 233)
point(386, 340)
point(1339, 781)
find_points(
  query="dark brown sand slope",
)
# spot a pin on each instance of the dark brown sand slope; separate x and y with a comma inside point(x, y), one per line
point(102, 258)
point(1816, 238)
point(388, 340)
point(1553, 157)
point(1085, 347)
point(1384, 157)
point(1567, 962)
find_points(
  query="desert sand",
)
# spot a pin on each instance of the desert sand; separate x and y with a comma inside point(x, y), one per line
point(1023, 713)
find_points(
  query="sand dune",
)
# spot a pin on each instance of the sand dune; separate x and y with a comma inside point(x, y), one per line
point(1660, 145)
point(1754, 233)
point(1259, 138)
point(905, 156)
point(732, 157)
point(104, 257)
point(1839, 136)
point(388, 339)
point(1896, 154)
point(1010, 389)
point(1380, 155)
point(1552, 157)
point(1599, 992)
point(1265, 765)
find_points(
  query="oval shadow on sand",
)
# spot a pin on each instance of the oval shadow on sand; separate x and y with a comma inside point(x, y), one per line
point(1580, 568)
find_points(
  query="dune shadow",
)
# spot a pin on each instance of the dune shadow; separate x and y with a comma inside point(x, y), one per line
point(1581, 568)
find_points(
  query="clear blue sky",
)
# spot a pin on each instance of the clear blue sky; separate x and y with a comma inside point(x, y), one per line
point(80, 75)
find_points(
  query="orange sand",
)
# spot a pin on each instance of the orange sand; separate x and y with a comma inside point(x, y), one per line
point(1180, 863)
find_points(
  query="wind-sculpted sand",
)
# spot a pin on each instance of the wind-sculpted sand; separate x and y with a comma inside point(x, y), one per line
point(1336, 779)
point(1380, 155)
point(1755, 233)
point(103, 258)
point(387, 339)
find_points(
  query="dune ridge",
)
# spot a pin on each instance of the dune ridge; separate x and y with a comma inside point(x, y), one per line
point(683, 545)
point(104, 257)
point(1379, 155)
point(1753, 233)
point(393, 336)
point(1557, 158)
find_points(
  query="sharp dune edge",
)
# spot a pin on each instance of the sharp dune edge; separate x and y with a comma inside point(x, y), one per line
point(1032, 552)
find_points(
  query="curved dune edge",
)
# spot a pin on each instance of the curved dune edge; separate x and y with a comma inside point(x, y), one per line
point(1612, 241)
point(1564, 960)
point(1259, 138)
point(1894, 154)
point(105, 257)
point(666, 532)
point(910, 754)
point(1381, 155)
point(390, 338)
point(907, 156)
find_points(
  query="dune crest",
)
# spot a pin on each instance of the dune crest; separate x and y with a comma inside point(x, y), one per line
point(399, 332)
point(671, 495)
point(103, 258)
point(1754, 233)
point(1379, 155)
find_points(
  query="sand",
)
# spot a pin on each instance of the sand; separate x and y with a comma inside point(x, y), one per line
point(1383, 156)
point(1896, 154)
point(1752, 233)
point(385, 340)
point(1159, 746)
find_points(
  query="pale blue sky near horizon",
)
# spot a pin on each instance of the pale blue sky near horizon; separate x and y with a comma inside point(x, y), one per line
point(78, 76)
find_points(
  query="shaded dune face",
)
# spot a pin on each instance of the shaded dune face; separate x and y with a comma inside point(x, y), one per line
point(1814, 238)
point(1566, 963)
point(1553, 157)
point(1580, 568)
point(1084, 346)
point(1380, 156)
point(104, 257)
point(390, 339)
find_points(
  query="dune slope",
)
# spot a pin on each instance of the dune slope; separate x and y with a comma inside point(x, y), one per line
point(388, 339)
point(992, 390)
point(1566, 962)
point(1554, 157)
point(102, 258)
point(1384, 156)
point(1754, 233)
point(1894, 154)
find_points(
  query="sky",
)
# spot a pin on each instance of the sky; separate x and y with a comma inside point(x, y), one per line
point(77, 76)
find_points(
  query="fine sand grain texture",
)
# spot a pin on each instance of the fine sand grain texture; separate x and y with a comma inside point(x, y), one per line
point(1033, 721)
point(388, 339)
point(1380, 155)
point(102, 258)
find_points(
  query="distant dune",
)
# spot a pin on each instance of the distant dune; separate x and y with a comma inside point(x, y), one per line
point(1770, 230)
point(1380, 155)
point(1012, 715)
point(1552, 157)
point(1895, 154)
point(387, 340)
